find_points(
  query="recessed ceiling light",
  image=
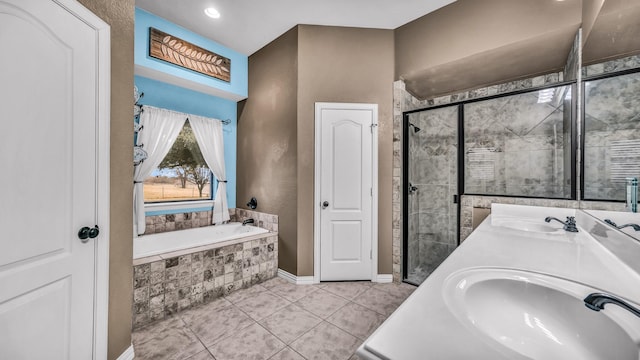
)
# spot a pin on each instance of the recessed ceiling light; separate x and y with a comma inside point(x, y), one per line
point(212, 12)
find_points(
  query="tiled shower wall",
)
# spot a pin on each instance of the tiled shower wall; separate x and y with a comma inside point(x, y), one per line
point(403, 101)
point(514, 145)
point(433, 172)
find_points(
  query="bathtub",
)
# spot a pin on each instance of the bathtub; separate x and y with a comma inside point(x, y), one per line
point(174, 271)
point(175, 243)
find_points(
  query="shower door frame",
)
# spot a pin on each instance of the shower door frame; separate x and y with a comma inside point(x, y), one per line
point(405, 179)
point(460, 104)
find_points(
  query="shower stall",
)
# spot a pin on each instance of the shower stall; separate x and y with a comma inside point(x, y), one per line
point(517, 144)
point(431, 190)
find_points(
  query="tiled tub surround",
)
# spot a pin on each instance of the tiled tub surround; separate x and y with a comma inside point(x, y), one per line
point(170, 244)
point(171, 222)
point(172, 282)
point(263, 220)
point(180, 221)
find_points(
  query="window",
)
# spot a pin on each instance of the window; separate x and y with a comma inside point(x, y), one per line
point(182, 175)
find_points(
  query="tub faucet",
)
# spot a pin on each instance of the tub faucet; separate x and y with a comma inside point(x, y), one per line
point(248, 221)
point(597, 301)
point(635, 227)
point(569, 225)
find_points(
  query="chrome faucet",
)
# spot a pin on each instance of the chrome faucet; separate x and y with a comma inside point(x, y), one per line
point(569, 225)
point(635, 227)
point(248, 221)
point(597, 301)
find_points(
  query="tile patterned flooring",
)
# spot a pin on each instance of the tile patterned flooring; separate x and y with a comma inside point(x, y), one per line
point(275, 320)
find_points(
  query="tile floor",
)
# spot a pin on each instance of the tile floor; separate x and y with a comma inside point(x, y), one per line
point(275, 320)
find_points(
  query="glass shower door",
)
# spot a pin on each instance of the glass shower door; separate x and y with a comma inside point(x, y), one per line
point(431, 190)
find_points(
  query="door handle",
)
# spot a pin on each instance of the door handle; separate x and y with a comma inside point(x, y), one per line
point(87, 233)
point(325, 204)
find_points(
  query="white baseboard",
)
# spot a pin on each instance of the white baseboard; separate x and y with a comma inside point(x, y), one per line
point(127, 354)
point(308, 280)
point(298, 280)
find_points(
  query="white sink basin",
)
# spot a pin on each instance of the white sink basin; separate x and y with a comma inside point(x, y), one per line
point(524, 225)
point(532, 316)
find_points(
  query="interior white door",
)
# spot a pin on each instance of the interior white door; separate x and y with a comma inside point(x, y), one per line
point(48, 151)
point(346, 191)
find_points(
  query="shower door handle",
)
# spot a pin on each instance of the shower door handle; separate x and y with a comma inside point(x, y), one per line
point(455, 199)
point(325, 204)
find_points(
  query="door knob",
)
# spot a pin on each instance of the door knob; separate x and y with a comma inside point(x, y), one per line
point(325, 204)
point(87, 233)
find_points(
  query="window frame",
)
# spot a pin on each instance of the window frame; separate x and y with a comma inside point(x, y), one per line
point(182, 204)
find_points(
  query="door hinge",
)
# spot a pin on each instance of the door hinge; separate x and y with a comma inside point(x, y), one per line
point(372, 192)
point(371, 254)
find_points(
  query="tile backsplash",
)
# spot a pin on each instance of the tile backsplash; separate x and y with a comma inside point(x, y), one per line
point(262, 220)
point(171, 222)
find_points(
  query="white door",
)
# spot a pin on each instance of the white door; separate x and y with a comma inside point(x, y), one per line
point(345, 198)
point(48, 152)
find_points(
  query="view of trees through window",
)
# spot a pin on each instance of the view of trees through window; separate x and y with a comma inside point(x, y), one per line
point(182, 175)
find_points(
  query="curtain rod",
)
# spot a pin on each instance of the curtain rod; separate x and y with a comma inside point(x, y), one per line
point(141, 107)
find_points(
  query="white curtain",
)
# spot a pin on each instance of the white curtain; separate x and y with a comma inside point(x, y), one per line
point(208, 133)
point(160, 128)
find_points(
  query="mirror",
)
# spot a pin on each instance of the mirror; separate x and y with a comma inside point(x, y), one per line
point(611, 137)
point(622, 220)
point(610, 30)
point(611, 132)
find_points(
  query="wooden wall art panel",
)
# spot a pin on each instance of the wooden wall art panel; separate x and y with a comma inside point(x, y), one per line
point(182, 53)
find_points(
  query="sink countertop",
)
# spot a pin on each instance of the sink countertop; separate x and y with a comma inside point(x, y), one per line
point(423, 327)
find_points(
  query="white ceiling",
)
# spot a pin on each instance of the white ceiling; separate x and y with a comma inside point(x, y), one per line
point(248, 25)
